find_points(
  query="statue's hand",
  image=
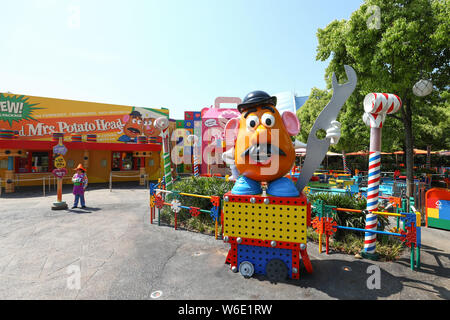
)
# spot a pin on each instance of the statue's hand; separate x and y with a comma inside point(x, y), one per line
point(228, 156)
point(334, 132)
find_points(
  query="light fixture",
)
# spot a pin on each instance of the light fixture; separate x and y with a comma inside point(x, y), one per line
point(423, 88)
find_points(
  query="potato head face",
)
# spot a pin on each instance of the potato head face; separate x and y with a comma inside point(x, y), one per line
point(149, 129)
point(133, 127)
point(263, 149)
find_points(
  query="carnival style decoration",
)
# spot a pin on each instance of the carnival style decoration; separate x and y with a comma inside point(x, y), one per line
point(376, 107)
point(267, 228)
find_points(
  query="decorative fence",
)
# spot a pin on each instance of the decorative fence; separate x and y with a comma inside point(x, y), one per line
point(159, 197)
point(44, 178)
point(324, 224)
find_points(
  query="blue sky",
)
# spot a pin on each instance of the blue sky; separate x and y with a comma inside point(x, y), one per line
point(175, 54)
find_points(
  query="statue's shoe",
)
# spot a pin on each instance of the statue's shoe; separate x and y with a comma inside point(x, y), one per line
point(246, 186)
point(282, 187)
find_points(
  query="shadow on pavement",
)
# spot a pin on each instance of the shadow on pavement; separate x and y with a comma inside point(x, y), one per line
point(84, 210)
point(348, 280)
point(436, 270)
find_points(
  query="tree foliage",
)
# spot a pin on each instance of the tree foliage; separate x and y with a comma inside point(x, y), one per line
point(392, 44)
point(354, 133)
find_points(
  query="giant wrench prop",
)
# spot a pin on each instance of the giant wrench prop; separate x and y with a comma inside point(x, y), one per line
point(316, 149)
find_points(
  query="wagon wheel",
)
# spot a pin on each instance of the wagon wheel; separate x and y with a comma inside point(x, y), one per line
point(246, 269)
point(276, 270)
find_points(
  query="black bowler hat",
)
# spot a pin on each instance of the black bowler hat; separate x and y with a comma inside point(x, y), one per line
point(255, 98)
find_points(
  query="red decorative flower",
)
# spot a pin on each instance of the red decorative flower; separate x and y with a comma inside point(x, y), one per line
point(159, 201)
point(194, 211)
point(330, 227)
point(317, 224)
point(411, 236)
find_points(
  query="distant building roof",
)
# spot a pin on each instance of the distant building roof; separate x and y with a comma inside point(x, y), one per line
point(300, 101)
point(288, 101)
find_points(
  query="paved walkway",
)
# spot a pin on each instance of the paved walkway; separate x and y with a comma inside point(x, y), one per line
point(121, 256)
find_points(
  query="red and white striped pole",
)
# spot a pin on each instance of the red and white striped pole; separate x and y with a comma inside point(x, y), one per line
point(193, 139)
point(376, 106)
point(344, 160)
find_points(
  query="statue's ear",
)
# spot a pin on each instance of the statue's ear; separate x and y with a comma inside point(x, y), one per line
point(231, 130)
point(291, 123)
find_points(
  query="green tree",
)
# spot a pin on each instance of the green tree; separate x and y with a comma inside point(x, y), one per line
point(354, 133)
point(392, 44)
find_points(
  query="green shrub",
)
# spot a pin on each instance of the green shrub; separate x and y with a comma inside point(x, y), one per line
point(347, 219)
point(207, 186)
point(345, 241)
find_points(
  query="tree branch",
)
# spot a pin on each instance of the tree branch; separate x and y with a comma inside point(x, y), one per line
point(395, 117)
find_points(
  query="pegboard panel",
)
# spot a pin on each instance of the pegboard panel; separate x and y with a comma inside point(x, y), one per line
point(232, 255)
point(259, 256)
point(290, 201)
point(295, 263)
point(265, 222)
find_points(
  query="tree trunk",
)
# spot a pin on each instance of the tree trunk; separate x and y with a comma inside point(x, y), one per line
point(409, 143)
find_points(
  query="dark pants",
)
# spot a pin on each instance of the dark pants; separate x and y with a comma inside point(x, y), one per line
point(79, 197)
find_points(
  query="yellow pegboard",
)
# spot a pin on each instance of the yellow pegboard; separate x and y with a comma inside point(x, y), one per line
point(265, 222)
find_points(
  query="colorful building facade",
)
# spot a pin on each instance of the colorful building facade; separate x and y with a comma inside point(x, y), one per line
point(213, 124)
point(103, 137)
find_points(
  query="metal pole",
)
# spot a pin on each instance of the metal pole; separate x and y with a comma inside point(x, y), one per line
point(372, 231)
point(418, 257)
point(110, 182)
point(159, 215)
point(43, 185)
point(59, 190)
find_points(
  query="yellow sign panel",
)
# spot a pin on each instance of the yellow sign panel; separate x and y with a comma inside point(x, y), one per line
point(38, 118)
point(60, 162)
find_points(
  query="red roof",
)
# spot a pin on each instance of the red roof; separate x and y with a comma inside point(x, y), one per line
point(48, 145)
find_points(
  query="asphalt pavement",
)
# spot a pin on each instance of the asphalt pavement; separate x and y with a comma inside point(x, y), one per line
point(111, 251)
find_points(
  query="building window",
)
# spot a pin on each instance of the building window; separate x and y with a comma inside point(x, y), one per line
point(34, 162)
point(4, 164)
point(124, 161)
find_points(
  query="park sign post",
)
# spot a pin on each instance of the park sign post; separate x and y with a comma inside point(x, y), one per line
point(60, 170)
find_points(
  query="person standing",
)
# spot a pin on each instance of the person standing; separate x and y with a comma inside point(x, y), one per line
point(80, 182)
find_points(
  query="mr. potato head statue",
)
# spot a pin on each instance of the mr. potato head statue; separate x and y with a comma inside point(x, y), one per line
point(263, 149)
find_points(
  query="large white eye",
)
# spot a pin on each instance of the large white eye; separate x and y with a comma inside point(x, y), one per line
point(133, 121)
point(268, 120)
point(139, 122)
point(252, 122)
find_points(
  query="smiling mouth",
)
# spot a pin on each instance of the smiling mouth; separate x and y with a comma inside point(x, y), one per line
point(133, 130)
point(262, 153)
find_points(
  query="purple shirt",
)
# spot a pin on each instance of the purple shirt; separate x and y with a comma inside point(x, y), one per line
point(80, 182)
